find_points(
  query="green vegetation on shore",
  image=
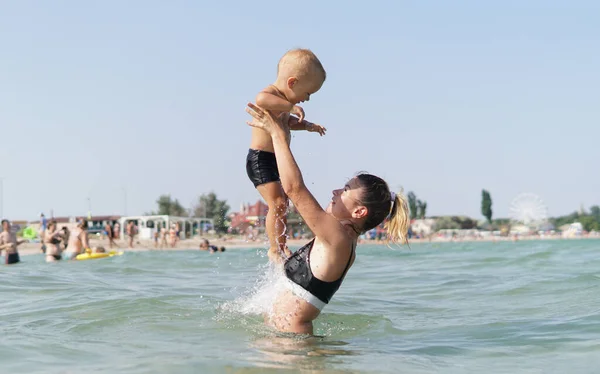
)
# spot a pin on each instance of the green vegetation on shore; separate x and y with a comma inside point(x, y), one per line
point(210, 206)
point(207, 206)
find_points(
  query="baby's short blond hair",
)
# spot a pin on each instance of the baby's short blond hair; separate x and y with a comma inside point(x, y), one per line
point(300, 62)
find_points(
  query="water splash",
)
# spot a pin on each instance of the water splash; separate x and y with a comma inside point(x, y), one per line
point(283, 231)
point(258, 298)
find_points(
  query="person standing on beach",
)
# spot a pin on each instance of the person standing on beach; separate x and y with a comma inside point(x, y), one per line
point(131, 230)
point(110, 234)
point(117, 231)
point(43, 226)
point(9, 243)
point(177, 232)
point(299, 75)
point(156, 235)
point(163, 238)
point(173, 236)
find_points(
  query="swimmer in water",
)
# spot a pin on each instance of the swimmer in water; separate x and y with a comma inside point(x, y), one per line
point(78, 240)
point(9, 243)
point(206, 246)
point(315, 272)
point(299, 75)
point(53, 239)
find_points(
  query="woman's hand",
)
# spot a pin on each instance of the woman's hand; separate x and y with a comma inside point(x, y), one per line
point(263, 119)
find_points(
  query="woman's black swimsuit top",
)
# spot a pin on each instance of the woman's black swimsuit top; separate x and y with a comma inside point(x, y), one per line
point(297, 269)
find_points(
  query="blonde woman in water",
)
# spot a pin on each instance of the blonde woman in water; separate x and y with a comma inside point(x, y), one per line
point(316, 271)
point(78, 240)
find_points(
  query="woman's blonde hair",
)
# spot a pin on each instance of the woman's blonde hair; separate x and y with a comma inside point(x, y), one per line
point(382, 206)
point(399, 220)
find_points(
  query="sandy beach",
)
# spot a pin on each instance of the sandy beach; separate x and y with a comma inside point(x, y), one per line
point(239, 242)
point(148, 245)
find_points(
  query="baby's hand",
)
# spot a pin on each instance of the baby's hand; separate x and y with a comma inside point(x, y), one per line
point(313, 127)
point(298, 112)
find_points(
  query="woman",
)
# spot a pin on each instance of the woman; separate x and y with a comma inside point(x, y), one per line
point(173, 236)
point(117, 231)
point(53, 240)
point(78, 240)
point(131, 231)
point(65, 237)
point(315, 272)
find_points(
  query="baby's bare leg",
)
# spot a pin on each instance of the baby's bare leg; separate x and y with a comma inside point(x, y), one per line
point(276, 218)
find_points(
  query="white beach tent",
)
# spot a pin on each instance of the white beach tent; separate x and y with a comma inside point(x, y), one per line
point(147, 225)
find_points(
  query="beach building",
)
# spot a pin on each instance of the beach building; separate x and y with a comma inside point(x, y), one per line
point(147, 225)
point(95, 223)
point(572, 230)
point(423, 227)
point(251, 217)
point(520, 229)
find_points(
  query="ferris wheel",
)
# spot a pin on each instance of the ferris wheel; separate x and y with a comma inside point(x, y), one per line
point(528, 208)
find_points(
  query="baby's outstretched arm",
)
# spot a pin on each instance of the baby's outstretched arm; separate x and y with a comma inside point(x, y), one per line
point(298, 125)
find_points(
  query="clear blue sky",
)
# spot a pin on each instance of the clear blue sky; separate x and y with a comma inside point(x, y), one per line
point(442, 98)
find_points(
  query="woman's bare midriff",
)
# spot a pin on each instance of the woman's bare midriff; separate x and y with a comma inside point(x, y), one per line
point(292, 314)
point(52, 249)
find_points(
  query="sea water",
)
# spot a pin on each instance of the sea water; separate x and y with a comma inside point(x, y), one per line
point(506, 307)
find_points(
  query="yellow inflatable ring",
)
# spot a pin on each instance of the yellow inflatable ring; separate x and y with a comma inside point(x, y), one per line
point(92, 256)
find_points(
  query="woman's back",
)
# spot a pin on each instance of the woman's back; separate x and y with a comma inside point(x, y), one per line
point(75, 244)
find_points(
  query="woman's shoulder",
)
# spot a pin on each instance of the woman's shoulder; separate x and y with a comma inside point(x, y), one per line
point(340, 242)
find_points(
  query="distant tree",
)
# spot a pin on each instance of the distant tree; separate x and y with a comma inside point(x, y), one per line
point(421, 208)
point(454, 223)
point(465, 223)
point(168, 206)
point(589, 223)
point(486, 205)
point(209, 206)
point(500, 224)
point(501, 221)
point(412, 204)
point(564, 220)
point(446, 223)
